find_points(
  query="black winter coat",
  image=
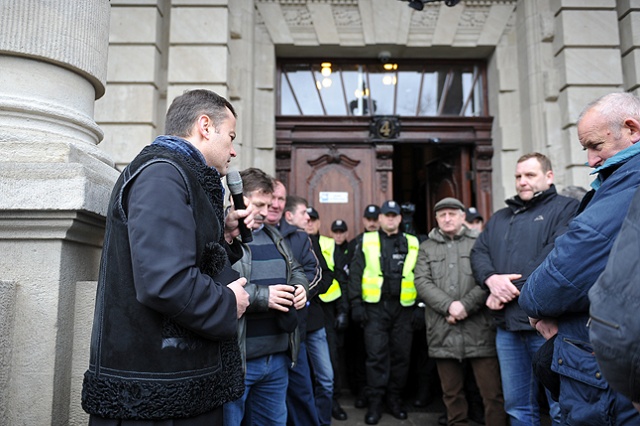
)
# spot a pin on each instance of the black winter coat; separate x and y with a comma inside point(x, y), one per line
point(516, 240)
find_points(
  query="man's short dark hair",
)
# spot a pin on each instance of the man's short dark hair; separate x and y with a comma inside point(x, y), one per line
point(294, 201)
point(186, 108)
point(254, 179)
point(542, 159)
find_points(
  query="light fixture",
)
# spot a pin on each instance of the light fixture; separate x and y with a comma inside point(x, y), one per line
point(326, 82)
point(326, 69)
point(416, 4)
point(361, 93)
point(419, 4)
point(389, 80)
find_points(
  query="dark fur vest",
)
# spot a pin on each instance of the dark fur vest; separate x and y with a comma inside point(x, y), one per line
point(132, 374)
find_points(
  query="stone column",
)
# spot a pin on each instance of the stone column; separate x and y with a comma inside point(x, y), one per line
point(54, 188)
point(629, 20)
point(586, 48)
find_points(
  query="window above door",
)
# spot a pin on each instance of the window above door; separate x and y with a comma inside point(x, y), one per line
point(343, 88)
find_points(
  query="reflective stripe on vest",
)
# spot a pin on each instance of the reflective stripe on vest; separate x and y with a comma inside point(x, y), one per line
point(328, 246)
point(372, 277)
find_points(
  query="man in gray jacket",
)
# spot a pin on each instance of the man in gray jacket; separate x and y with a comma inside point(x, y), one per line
point(459, 325)
point(269, 338)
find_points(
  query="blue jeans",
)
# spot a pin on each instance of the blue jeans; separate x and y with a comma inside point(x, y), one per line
point(265, 393)
point(320, 359)
point(519, 385)
point(301, 408)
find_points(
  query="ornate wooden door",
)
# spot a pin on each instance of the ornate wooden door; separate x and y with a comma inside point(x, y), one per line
point(340, 168)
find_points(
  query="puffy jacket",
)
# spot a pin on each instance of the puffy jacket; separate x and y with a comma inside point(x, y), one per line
point(516, 240)
point(559, 288)
point(259, 295)
point(443, 275)
point(614, 327)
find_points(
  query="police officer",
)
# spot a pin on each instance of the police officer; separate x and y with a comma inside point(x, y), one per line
point(354, 335)
point(382, 294)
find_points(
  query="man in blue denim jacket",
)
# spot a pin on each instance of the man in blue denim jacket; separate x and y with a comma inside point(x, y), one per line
point(556, 294)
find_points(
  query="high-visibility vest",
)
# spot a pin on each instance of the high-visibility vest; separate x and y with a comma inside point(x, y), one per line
point(328, 246)
point(372, 277)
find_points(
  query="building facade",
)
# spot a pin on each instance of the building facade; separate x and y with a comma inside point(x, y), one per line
point(420, 105)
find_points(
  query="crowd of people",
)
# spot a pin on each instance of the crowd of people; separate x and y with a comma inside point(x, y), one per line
point(527, 314)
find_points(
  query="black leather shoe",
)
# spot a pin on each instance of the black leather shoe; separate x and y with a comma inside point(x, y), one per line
point(374, 412)
point(337, 412)
point(396, 409)
point(361, 401)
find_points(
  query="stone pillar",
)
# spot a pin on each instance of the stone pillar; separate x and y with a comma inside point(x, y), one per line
point(54, 189)
point(132, 111)
point(586, 47)
point(629, 17)
point(198, 47)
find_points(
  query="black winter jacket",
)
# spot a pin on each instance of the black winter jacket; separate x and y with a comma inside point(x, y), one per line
point(164, 339)
point(516, 240)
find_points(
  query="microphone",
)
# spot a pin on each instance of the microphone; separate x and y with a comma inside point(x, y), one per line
point(234, 182)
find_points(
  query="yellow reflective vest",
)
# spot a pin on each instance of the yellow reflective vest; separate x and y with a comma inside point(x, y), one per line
point(328, 246)
point(372, 277)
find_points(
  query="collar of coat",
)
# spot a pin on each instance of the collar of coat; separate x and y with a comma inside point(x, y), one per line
point(517, 204)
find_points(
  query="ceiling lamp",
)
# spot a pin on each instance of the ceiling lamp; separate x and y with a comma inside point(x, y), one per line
point(419, 4)
point(416, 4)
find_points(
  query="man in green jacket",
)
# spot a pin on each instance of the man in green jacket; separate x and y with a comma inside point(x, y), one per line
point(459, 326)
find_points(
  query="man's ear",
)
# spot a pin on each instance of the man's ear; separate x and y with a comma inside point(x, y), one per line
point(288, 215)
point(549, 176)
point(203, 126)
point(634, 128)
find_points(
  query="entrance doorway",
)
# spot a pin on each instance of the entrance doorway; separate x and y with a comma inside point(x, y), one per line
point(340, 168)
point(349, 134)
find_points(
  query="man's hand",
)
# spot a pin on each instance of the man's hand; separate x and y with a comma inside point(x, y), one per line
point(231, 229)
point(341, 322)
point(502, 287)
point(451, 320)
point(299, 297)
point(359, 314)
point(281, 297)
point(494, 303)
point(547, 327)
point(242, 297)
point(457, 310)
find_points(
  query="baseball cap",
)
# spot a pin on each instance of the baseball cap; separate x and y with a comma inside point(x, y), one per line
point(449, 203)
point(313, 213)
point(371, 211)
point(473, 214)
point(390, 207)
point(339, 225)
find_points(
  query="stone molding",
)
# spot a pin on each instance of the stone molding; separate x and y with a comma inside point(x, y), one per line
point(67, 33)
point(358, 23)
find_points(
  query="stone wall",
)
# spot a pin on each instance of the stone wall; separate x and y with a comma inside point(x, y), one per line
point(54, 188)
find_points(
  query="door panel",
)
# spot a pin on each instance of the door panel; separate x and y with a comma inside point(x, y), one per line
point(344, 178)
